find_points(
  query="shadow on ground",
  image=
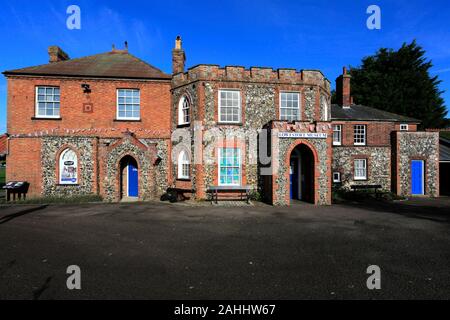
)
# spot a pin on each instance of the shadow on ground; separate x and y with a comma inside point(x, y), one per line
point(13, 216)
point(436, 210)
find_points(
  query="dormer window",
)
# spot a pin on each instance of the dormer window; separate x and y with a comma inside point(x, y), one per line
point(184, 111)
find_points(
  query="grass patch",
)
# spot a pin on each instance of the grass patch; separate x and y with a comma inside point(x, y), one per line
point(57, 200)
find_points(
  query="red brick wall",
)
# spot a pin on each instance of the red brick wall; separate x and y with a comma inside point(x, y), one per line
point(377, 133)
point(155, 106)
point(24, 163)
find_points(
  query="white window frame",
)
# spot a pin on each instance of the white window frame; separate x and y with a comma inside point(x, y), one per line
point(364, 136)
point(338, 178)
point(337, 143)
point(404, 127)
point(184, 165)
point(181, 110)
point(359, 177)
point(219, 153)
point(117, 104)
point(36, 112)
point(290, 108)
point(239, 106)
point(62, 165)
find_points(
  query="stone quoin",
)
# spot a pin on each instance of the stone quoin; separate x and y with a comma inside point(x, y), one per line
point(115, 126)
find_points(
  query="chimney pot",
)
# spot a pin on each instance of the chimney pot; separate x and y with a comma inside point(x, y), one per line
point(56, 54)
point(178, 57)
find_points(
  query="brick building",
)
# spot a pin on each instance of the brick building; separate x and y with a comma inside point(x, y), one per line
point(113, 125)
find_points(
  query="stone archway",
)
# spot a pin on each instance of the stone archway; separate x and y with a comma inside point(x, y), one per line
point(144, 157)
point(302, 174)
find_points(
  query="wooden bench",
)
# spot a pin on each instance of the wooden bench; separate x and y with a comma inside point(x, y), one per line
point(375, 187)
point(215, 190)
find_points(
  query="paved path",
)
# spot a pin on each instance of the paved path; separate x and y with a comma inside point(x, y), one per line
point(164, 251)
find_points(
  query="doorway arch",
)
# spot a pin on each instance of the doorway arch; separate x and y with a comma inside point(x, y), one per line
point(302, 174)
point(129, 178)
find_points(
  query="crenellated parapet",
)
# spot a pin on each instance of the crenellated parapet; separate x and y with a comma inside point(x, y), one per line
point(206, 72)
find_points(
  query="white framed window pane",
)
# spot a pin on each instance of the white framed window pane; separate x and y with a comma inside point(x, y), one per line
point(47, 101)
point(289, 106)
point(128, 103)
point(359, 134)
point(337, 134)
point(229, 166)
point(229, 106)
point(360, 169)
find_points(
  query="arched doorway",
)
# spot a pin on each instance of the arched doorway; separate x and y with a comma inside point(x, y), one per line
point(129, 178)
point(301, 174)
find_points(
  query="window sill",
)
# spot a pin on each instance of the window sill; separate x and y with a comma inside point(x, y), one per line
point(185, 125)
point(229, 123)
point(184, 179)
point(127, 120)
point(67, 185)
point(45, 118)
point(360, 179)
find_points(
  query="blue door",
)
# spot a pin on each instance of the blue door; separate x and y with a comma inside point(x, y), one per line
point(417, 177)
point(133, 185)
point(294, 179)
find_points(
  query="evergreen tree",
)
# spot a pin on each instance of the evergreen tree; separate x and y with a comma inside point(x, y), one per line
point(400, 82)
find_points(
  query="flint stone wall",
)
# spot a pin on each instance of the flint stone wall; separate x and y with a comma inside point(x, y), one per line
point(378, 162)
point(50, 149)
point(418, 146)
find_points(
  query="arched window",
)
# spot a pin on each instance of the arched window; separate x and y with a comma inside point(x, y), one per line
point(184, 111)
point(183, 165)
point(68, 167)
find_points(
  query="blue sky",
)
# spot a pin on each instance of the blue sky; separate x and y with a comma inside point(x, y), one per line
point(313, 34)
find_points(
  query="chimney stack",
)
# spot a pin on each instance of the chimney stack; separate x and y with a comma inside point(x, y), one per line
point(178, 57)
point(343, 92)
point(56, 54)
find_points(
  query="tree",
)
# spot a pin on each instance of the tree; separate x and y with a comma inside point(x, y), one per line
point(400, 82)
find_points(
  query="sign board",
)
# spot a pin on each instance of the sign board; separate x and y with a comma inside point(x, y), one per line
point(304, 135)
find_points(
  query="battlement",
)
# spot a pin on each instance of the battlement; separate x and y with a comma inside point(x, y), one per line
point(207, 72)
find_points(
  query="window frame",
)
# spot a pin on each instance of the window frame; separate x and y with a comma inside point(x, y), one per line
point(360, 178)
point(405, 126)
point(61, 166)
point(118, 117)
point(299, 105)
point(181, 166)
point(365, 135)
point(181, 116)
point(239, 120)
point(335, 143)
point(219, 154)
point(338, 180)
point(36, 102)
